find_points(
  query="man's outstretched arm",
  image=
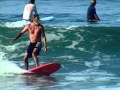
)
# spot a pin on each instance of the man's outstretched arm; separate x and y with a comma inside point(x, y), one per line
point(20, 34)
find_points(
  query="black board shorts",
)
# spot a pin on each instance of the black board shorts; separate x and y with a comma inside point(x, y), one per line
point(32, 46)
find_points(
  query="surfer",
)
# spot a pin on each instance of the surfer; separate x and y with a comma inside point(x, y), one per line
point(28, 10)
point(36, 33)
point(91, 13)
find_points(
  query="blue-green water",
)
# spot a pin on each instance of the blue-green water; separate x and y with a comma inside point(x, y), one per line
point(89, 53)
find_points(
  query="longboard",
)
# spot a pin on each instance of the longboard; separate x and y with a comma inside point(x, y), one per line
point(47, 18)
point(45, 69)
point(22, 23)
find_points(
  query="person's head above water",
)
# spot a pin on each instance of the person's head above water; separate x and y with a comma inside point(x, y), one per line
point(93, 2)
point(35, 18)
point(32, 1)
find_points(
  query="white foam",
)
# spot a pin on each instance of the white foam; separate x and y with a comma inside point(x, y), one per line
point(2, 56)
point(72, 27)
point(13, 48)
point(95, 63)
point(81, 49)
point(66, 56)
point(89, 75)
point(54, 36)
point(81, 39)
point(101, 56)
point(7, 67)
point(74, 43)
point(104, 79)
point(77, 78)
point(20, 23)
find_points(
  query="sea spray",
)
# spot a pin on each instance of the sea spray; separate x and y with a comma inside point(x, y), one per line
point(8, 67)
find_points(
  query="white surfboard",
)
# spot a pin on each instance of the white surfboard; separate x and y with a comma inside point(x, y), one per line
point(47, 18)
point(22, 23)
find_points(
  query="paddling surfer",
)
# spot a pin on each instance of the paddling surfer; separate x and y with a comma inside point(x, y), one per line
point(36, 33)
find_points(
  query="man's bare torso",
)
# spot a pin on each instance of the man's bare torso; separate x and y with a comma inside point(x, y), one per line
point(34, 32)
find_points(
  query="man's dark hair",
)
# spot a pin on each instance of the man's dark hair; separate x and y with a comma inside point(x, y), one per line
point(35, 15)
point(32, 1)
point(93, 2)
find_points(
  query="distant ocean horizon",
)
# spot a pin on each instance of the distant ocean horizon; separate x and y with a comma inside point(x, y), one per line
point(89, 53)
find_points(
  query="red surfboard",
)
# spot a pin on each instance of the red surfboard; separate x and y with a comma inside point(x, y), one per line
point(45, 69)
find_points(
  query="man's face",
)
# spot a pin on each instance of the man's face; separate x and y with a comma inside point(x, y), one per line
point(36, 19)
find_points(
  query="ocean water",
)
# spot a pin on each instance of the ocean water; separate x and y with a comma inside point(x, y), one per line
point(89, 53)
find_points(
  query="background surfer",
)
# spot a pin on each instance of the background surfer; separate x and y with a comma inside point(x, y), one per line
point(28, 10)
point(91, 13)
point(36, 31)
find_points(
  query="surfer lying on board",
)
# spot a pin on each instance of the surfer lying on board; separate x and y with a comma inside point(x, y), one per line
point(36, 33)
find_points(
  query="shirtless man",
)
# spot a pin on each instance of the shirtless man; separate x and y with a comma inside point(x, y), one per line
point(36, 33)
point(28, 10)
